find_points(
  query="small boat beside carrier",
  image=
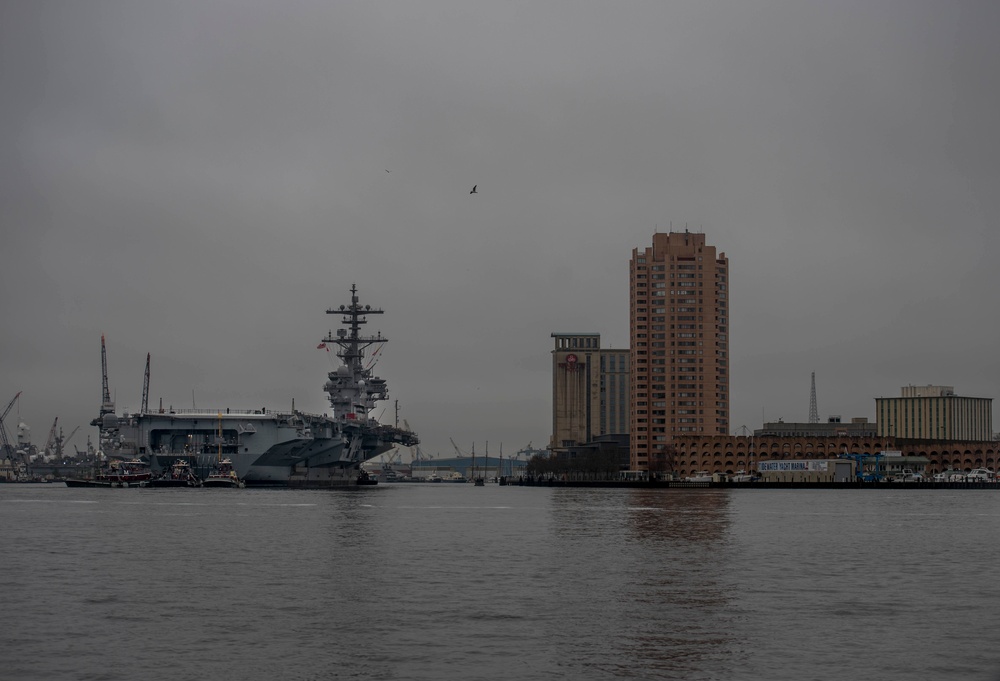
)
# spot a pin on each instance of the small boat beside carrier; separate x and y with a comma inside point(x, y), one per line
point(178, 475)
point(366, 478)
point(223, 475)
point(118, 473)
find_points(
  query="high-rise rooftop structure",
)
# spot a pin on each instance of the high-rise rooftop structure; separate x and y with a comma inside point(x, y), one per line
point(934, 412)
point(679, 342)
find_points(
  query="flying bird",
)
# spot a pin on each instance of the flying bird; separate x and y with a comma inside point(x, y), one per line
point(474, 189)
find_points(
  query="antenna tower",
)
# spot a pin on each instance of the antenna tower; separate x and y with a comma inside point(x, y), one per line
point(813, 410)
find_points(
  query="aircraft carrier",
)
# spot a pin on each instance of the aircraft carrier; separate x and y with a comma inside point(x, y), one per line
point(271, 447)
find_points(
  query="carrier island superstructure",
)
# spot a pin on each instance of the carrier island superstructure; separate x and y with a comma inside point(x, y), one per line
point(272, 447)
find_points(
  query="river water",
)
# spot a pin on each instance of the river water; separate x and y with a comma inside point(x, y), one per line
point(447, 581)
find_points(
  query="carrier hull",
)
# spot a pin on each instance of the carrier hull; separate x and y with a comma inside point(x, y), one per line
point(269, 447)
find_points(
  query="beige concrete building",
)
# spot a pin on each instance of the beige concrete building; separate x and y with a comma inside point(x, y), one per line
point(679, 341)
point(934, 412)
point(859, 426)
point(590, 390)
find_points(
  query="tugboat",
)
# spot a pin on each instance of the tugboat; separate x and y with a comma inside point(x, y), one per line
point(223, 475)
point(118, 473)
point(179, 475)
point(129, 473)
point(366, 478)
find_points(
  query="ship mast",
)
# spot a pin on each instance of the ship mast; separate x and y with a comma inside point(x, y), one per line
point(352, 389)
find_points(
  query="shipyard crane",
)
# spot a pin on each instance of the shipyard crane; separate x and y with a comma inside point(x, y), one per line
point(50, 444)
point(418, 455)
point(145, 388)
point(86, 452)
point(107, 406)
point(61, 442)
point(457, 450)
point(6, 449)
point(393, 455)
point(524, 450)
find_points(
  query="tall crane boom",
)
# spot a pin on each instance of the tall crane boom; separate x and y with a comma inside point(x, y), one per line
point(107, 406)
point(145, 388)
point(50, 444)
point(9, 406)
point(6, 449)
point(61, 442)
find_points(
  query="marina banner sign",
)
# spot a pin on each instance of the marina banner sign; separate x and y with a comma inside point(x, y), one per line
point(812, 466)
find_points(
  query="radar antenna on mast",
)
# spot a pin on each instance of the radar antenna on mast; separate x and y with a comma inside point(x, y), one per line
point(353, 389)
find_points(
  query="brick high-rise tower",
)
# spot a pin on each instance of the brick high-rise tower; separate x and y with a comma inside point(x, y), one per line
point(679, 341)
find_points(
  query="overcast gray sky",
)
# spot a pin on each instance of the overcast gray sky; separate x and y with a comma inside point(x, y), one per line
point(202, 180)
